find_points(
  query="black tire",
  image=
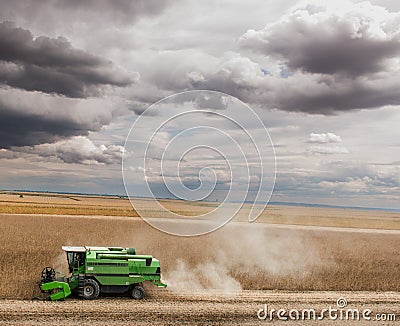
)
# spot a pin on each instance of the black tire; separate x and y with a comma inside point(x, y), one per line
point(137, 292)
point(91, 289)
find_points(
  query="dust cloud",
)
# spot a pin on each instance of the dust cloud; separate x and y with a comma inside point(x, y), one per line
point(235, 257)
point(60, 264)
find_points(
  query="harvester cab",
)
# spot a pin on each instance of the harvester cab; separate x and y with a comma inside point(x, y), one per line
point(76, 259)
point(95, 270)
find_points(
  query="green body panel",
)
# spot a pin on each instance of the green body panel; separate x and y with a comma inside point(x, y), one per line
point(112, 280)
point(60, 290)
point(114, 266)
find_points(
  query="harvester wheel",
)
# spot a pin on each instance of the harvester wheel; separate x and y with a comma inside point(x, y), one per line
point(91, 289)
point(137, 292)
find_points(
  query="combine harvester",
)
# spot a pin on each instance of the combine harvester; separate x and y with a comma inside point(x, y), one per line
point(95, 270)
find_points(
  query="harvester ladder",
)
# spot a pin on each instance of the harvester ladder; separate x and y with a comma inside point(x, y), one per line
point(81, 286)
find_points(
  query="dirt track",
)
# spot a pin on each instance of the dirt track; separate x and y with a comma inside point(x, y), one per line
point(162, 307)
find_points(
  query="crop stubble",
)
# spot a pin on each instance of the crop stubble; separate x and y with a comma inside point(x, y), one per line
point(256, 265)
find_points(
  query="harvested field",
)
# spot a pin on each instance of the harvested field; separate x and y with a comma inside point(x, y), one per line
point(259, 256)
point(39, 203)
point(222, 277)
point(58, 204)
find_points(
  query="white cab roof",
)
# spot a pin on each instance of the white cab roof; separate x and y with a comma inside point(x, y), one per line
point(83, 249)
point(73, 249)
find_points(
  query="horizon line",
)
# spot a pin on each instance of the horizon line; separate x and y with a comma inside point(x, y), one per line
point(301, 204)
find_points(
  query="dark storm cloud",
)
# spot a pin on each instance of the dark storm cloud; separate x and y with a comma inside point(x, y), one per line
point(331, 95)
point(302, 92)
point(334, 59)
point(338, 59)
point(52, 65)
point(20, 129)
point(315, 39)
point(31, 118)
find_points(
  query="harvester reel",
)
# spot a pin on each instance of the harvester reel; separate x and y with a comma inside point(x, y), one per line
point(48, 275)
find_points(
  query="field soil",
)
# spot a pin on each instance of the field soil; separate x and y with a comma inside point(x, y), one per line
point(163, 307)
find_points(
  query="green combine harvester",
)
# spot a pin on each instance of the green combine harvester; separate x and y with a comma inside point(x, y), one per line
point(95, 270)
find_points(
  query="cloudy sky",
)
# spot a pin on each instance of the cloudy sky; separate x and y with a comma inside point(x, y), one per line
point(324, 77)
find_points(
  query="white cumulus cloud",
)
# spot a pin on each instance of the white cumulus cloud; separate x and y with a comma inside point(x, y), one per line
point(77, 149)
point(324, 138)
